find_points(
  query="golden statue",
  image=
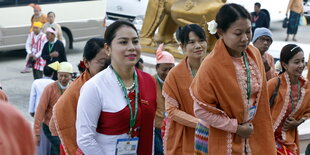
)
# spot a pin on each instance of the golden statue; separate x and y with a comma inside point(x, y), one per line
point(168, 15)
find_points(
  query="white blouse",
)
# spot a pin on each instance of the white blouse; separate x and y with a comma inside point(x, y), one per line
point(100, 93)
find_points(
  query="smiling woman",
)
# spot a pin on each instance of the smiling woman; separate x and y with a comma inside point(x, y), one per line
point(293, 107)
point(181, 121)
point(117, 106)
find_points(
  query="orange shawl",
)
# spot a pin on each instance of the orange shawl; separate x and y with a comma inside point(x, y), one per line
point(16, 136)
point(280, 105)
point(179, 139)
point(64, 114)
point(216, 89)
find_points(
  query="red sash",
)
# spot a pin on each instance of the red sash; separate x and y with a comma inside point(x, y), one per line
point(118, 123)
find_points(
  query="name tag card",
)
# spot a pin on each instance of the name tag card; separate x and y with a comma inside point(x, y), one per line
point(252, 112)
point(127, 146)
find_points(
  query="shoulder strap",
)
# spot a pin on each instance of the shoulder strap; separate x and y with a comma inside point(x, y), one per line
point(274, 94)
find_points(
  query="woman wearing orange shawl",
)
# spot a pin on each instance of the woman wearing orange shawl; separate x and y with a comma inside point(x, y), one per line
point(64, 112)
point(291, 94)
point(37, 16)
point(230, 90)
point(180, 127)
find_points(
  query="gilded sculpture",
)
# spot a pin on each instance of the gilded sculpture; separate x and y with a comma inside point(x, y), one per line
point(168, 15)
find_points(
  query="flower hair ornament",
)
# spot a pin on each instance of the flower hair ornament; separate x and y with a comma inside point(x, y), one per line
point(212, 27)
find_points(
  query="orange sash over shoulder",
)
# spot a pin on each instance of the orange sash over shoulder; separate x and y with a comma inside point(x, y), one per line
point(216, 89)
point(179, 138)
point(64, 114)
point(281, 103)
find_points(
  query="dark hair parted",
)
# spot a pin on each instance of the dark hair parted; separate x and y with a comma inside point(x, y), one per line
point(287, 53)
point(93, 47)
point(184, 34)
point(51, 12)
point(111, 30)
point(48, 71)
point(229, 13)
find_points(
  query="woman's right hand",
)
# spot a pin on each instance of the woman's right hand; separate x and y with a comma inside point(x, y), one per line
point(245, 130)
point(54, 54)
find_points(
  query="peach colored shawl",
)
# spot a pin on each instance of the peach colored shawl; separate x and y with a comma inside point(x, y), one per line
point(64, 114)
point(216, 88)
point(281, 103)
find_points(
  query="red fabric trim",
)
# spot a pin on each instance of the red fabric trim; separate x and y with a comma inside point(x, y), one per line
point(118, 123)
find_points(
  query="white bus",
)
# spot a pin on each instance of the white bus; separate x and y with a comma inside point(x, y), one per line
point(79, 20)
point(130, 10)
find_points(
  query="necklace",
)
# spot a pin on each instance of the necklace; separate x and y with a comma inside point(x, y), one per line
point(130, 87)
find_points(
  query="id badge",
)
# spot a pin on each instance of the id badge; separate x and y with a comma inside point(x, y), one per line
point(252, 112)
point(127, 146)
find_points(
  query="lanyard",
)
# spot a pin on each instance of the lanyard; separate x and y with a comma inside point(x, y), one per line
point(291, 95)
point(50, 47)
point(133, 117)
point(255, 18)
point(61, 90)
point(159, 82)
point(248, 73)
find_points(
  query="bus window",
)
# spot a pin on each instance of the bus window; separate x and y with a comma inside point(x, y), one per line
point(75, 26)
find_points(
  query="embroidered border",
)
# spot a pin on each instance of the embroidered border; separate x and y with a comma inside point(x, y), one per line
point(298, 103)
point(248, 148)
point(242, 87)
point(167, 128)
point(260, 80)
point(284, 109)
point(229, 143)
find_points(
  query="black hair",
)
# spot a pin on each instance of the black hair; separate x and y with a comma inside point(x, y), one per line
point(50, 13)
point(81, 69)
point(110, 32)
point(93, 47)
point(48, 71)
point(184, 34)
point(257, 4)
point(229, 13)
point(137, 65)
point(287, 53)
point(157, 66)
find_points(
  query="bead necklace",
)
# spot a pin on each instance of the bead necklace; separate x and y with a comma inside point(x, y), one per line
point(130, 87)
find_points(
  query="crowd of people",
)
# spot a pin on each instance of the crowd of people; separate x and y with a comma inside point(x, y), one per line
point(230, 101)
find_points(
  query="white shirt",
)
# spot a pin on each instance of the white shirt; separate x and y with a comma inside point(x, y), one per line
point(37, 88)
point(100, 93)
point(30, 48)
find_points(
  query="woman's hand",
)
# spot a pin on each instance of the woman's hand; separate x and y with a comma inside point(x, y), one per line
point(245, 130)
point(54, 54)
point(291, 123)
